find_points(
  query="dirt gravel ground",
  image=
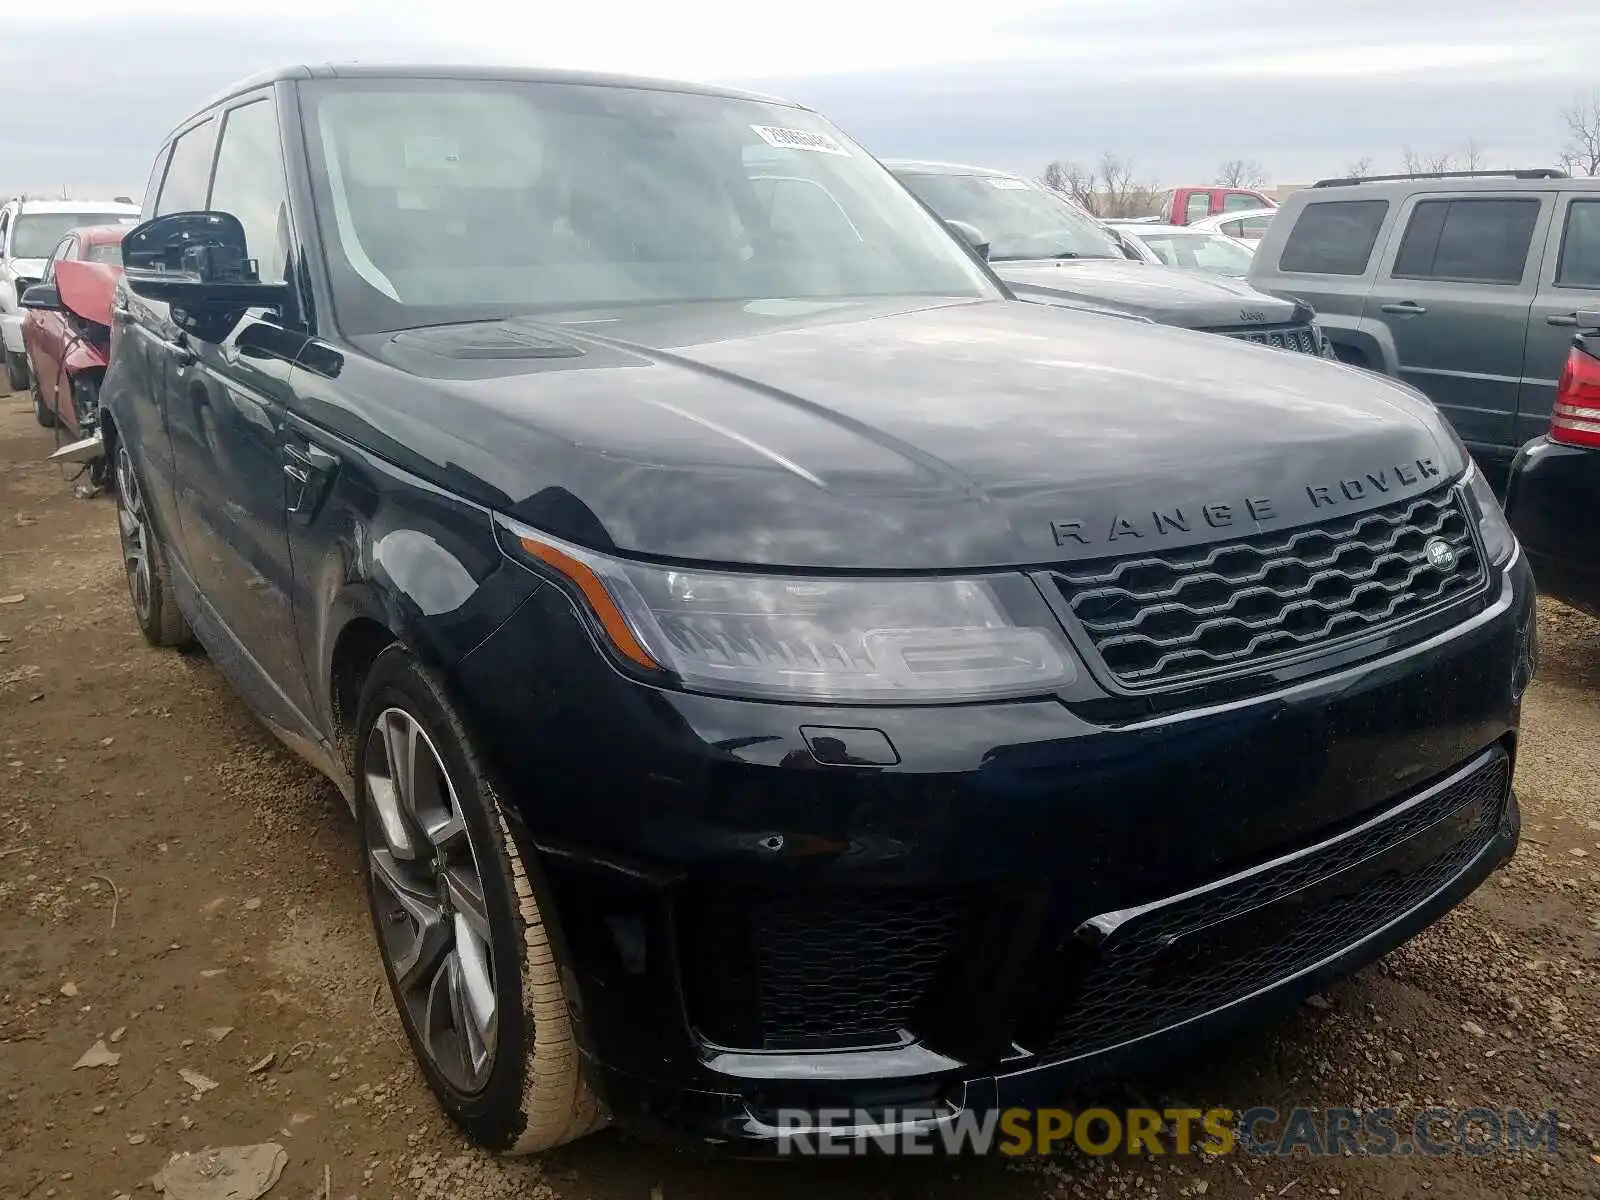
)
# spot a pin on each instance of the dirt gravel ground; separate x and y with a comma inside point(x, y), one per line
point(174, 884)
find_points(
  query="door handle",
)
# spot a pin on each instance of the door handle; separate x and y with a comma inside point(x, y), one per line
point(1404, 308)
point(182, 354)
point(308, 468)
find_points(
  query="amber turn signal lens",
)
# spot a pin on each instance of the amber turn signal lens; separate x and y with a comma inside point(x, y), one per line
point(594, 591)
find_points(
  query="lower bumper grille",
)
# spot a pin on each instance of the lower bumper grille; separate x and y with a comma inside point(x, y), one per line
point(814, 969)
point(1179, 960)
point(1302, 339)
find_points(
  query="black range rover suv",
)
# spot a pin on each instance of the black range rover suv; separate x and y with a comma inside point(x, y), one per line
point(771, 667)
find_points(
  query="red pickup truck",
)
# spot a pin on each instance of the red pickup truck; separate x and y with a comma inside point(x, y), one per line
point(1182, 205)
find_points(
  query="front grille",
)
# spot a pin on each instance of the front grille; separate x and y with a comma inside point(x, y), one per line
point(1185, 614)
point(1132, 989)
point(1302, 339)
point(815, 968)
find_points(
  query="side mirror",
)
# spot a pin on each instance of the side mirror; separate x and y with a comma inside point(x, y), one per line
point(43, 296)
point(971, 235)
point(196, 260)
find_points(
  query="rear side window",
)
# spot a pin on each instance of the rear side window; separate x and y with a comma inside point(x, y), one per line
point(1476, 241)
point(1580, 246)
point(189, 171)
point(1334, 237)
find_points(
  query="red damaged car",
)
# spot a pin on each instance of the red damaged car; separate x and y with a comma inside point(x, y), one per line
point(66, 332)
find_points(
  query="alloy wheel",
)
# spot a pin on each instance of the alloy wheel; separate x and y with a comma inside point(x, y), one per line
point(138, 540)
point(428, 893)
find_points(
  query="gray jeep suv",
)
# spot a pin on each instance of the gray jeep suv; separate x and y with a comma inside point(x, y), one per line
point(1465, 284)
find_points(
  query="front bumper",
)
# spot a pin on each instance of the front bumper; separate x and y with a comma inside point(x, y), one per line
point(11, 331)
point(1014, 902)
point(1552, 496)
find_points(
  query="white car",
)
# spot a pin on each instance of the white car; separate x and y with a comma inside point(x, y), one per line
point(29, 231)
point(1247, 225)
point(1188, 247)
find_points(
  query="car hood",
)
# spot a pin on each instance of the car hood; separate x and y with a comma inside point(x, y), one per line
point(1168, 295)
point(892, 435)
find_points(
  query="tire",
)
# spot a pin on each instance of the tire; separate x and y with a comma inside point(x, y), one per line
point(42, 412)
point(525, 1093)
point(144, 561)
point(17, 371)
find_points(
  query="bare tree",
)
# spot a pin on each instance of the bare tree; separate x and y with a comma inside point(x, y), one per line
point(1121, 193)
point(1469, 157)
point(1071, 179)
point(1581, 154)
point(1360, 169)
point(1428, 164)
point(1242, 173)
point(1108, 189)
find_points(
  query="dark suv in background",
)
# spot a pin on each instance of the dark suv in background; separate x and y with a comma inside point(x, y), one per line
point(772, 669)
point(1466, 285)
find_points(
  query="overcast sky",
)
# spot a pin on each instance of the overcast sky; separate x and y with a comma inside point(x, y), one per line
point(1177, 85)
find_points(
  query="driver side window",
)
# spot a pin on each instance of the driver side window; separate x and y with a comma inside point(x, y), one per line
point(63, 250)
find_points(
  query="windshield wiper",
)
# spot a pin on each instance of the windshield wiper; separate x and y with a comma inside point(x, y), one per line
point(1031, 257)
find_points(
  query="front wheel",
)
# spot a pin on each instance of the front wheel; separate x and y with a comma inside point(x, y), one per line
point(460, 933)
point(144, 560)
point(17, 371)
point(42, 412)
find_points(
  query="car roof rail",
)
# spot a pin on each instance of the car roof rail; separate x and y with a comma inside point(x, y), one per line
point(1508, 173)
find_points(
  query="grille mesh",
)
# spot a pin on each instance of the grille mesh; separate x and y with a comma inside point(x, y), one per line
point(1124, 996)
point(818, 968)
point(1161, 618)
point(1300, 338)
point(848, 965)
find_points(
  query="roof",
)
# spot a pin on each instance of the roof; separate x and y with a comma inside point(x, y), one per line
point(99, 235)
point(915, 166)
point(289, 74)
point(77, 206)
point(1244, 214)
point(1405, 185)
point(1156, 227)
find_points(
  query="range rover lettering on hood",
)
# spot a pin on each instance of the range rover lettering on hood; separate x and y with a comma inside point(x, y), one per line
point(1398, 479)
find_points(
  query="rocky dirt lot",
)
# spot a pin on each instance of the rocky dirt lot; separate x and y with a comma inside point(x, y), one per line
point(174, 885)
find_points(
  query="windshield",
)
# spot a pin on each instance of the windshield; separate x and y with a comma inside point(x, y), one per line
point(1018, 219)
point(460, 200)
point(1198, 251)
point(36, 234)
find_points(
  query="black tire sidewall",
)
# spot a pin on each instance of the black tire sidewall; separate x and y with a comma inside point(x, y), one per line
point(42, 412)
point(165, 626)
point(493, 1116)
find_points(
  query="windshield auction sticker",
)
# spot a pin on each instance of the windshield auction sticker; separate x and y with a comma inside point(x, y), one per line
point(800, 139)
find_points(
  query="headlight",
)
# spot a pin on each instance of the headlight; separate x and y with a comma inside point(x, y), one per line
point(815, 638)
point(1499, 543)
